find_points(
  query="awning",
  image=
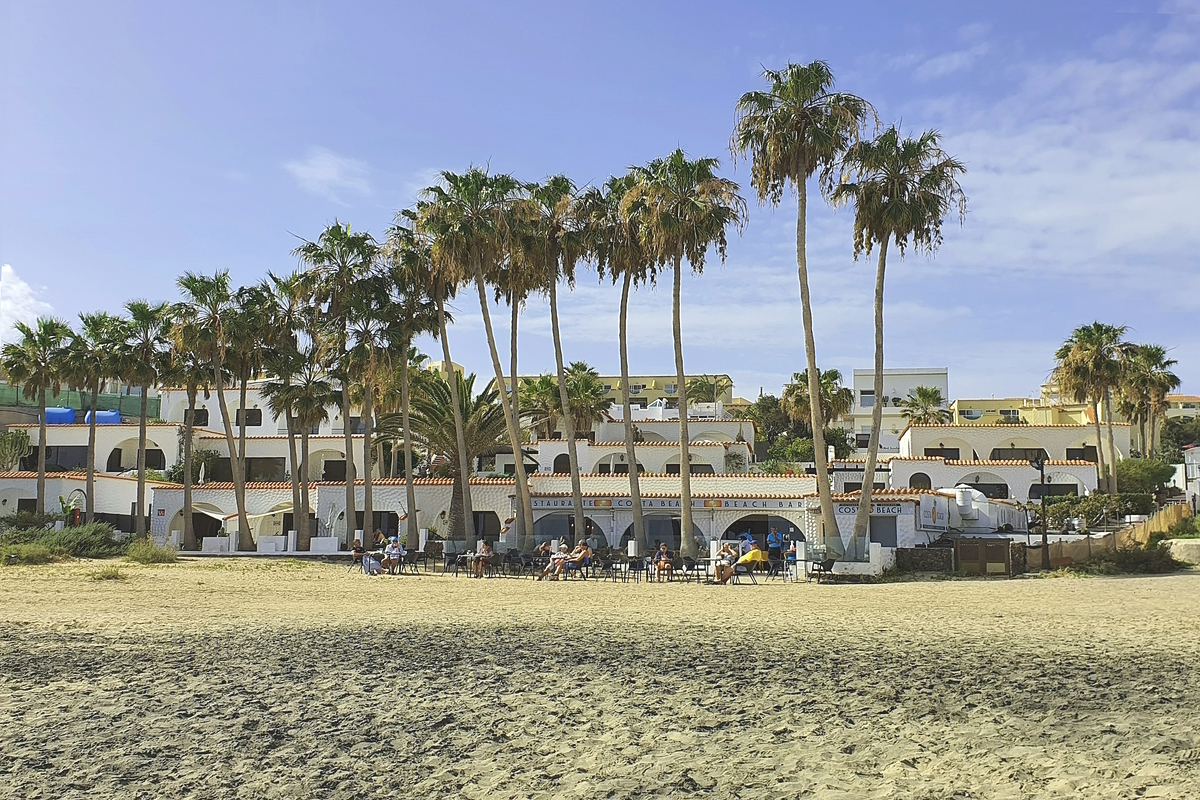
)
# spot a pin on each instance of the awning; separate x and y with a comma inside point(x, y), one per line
point(249, 517)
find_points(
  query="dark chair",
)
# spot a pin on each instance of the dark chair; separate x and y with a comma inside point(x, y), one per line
point(743, 569)
point(410, 562)
point(688, 569)
point(636, 568)
point(775, 569)
point(356, 561)
point(820, 568)
point(579, 569)
point(607, 568)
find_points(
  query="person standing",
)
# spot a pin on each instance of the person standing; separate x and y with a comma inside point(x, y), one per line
point(774, 544)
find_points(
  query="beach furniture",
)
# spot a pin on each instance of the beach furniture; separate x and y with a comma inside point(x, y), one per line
point(820, 568)
point(410, 562)
point(636, 567)
point(743, 570)
point(689, 568)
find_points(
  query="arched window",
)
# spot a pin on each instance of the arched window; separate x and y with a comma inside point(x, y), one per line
point(562, 463)
point(919, 480)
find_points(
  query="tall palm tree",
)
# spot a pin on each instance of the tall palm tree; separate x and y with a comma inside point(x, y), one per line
point(795, 129)
point(687, 210)
point(91, 363)
point(211, 302)
point(38, 363)
point(286, 313)
point(558, 229)
point(432, 426)
point(542, 402)
point(834, 399)
point(902, 190)
point(587, 401)
point(925, 406)
point(1133, 393)
point(1089, 369)
point(1162, 382)
point(336, 262)
point(187, 367)
point(247, 333)
point(469, 218)
point(611, 232)
point(143, 353)
point(407, 262)
point(441, 284)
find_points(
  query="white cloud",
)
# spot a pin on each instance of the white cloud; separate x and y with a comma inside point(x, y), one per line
point(949, 63)
point(19, 302)
point(326, 174)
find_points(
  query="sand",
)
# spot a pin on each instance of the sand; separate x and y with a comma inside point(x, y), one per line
point(240, 679)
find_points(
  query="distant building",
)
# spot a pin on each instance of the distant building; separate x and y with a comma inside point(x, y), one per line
point(897, 385)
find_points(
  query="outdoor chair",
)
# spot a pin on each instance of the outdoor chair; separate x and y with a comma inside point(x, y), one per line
point(688, 569)
point(638, 567)
point(743, 569)
point(820, 568)
point(608, 569)
point(777, 569)
point(523, 562)
point(356, 561)
point(579, 569)
point(410, 562)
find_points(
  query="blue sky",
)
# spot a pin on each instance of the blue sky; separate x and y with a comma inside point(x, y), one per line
point(141, 140)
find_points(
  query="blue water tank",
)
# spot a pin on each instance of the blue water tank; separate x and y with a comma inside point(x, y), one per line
point(60, 416)
point(104, 417)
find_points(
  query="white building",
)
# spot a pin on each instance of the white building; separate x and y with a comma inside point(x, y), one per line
point(897, 385)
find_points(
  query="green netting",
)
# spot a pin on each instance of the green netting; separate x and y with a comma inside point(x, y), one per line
point(128, 405)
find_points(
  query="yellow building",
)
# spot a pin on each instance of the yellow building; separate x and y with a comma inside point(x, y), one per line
point(1048, 409)
point(1183, 406)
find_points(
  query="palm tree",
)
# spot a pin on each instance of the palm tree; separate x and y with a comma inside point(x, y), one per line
point(211, 302)
point(902, 190)
point(1089, 369)
point(611, 233)
point(1133, 393)
point(407, 261)
point(336, 262)
point(143, 353)
point(834, 399)
point(469, 218)
point(559, 230)
point(441, 285)
point(542, 402)
point(91, 364)
point(286, 364)
point(925, 406)
point(687, 210)
point(798, 127)
point(587, 401)
point(432, 426)
point(1162, 382)
point(38, 362)
point(707, 388)
point(286, 314)
point(187, 366)
point(246, 334)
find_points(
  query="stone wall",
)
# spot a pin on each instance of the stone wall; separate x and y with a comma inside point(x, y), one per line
point(1019, 557)
point(924, 559)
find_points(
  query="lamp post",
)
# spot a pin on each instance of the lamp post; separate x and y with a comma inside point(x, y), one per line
point(1040, 465)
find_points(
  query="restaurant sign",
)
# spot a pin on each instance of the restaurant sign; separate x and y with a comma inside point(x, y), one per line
point(935, 513)
point(877, 509)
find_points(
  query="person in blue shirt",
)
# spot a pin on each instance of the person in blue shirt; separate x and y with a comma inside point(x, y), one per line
point(747, 542)
point(774, 544)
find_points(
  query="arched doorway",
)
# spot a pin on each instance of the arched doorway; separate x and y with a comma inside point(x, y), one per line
point(919, 480)
point(487, 526)
point(991, 485)
point(759, 525)
point(124, 456)
point(561, 526)
point(562, 463)
point(662, 528)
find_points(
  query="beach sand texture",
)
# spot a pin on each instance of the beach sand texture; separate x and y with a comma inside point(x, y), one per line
point(246, 679)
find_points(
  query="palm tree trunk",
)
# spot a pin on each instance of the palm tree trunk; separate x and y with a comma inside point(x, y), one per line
point(304, 535)
point(140, 517)
point(816, 413)
point(635, 489)
point(862, 519)
point(348, 441)
point(687, 547)
point(568, 416)
point(464, 461)
point(525, 541)
point(41, 479)
point(245, 379)
point(235, 465)
point(514, 433)
point(293, 461)
point(1102, 481)
point(368, 450)
point(410, 493)
point(91, 456)
point(1112, 448)
point(189, 532)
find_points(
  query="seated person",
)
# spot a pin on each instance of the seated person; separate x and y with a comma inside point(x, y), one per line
point(357, 551)
point(393, 554)
point(360, 555)
point(579, 559)
point(483, 558)
point(662, 562)
point(756, 555)
point(554, 568)
point(380, 542)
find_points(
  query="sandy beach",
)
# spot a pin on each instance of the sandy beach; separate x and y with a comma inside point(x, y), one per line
point(244, 679)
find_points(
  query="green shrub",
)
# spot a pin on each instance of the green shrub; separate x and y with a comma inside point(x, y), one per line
point(28, 519)
point(1152, 560)
point(1097, 507)
point(83, 541)
point(144, 551)
point(1184, 529)
point(28, 554)
point(1142, 474)
point(112, 573)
